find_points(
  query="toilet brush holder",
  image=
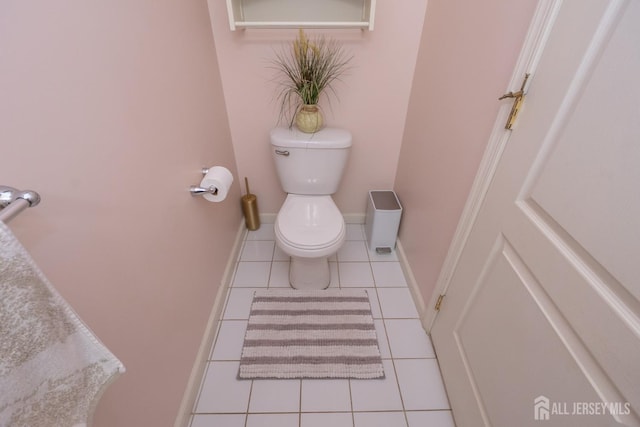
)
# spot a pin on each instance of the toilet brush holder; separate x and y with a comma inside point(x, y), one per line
point(250, 209)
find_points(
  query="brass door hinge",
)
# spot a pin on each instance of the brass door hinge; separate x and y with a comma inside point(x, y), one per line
point(439, 302)
point(517, 102)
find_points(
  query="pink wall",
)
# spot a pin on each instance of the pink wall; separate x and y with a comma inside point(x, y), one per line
point(372, 99)
point(109, 110)
point(467, 54)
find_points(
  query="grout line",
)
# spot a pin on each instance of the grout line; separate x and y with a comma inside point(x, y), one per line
point(248, 403)
point(300, 405)
point(270, 270)
point(395, 371)
point(353, 416)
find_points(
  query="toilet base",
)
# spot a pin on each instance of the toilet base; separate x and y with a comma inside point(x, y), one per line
point(309, 273)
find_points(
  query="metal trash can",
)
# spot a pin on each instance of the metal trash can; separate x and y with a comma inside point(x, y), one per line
point(382, 220)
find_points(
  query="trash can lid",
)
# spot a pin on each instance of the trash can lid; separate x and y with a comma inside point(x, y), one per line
point(385, 200)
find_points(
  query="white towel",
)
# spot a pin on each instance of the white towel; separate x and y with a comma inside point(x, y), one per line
point(53, 369)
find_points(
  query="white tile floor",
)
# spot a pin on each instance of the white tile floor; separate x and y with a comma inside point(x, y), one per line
point(411, 395)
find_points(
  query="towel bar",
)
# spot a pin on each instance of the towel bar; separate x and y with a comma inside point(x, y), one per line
point(13, 201)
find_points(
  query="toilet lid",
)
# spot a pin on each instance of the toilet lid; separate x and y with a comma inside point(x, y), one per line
point(311, 222)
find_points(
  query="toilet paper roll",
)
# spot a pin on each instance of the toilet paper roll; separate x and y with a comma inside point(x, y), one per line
point(219, 177)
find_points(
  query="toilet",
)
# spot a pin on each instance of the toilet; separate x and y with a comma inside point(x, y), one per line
point(309, 227)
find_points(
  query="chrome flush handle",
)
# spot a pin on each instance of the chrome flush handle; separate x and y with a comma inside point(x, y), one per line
point(282, 152)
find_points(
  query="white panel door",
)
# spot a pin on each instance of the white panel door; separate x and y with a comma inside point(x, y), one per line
point(540, 325)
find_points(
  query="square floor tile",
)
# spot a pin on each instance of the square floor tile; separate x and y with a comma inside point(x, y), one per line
point(222, 391)
point(257, 250)
point(353, 251)
point(430, 418)
point(396, 303)
point(239, 304)
point(421, 384)
point(355, 232)
point(388, 274)
point(337, 419)
point(380, 419)
point(275, 396)
point(229, 341)
point(265, 232)
point(408, 339)
point(214, 420)
point(272, 420)
point(355, 274)
point(378, 394)
point(279, 275)
point(325, 395)
point(252, 274)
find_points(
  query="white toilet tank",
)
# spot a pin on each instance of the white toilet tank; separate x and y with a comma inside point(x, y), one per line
point(310, 163)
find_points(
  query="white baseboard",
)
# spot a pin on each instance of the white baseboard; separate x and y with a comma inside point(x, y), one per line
point(268, 218)
point(353, 218)
point(197, 372)
point(416, 294)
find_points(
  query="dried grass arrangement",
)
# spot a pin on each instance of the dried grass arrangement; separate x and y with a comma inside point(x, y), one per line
point(309, 68)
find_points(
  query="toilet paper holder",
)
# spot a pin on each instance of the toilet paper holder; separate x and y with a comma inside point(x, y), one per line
point(199, 191)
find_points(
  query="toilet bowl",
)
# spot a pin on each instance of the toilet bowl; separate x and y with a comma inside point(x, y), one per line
point(309, 229)
point(309, 226)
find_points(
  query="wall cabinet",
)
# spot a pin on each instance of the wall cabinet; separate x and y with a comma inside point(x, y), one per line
point(301, 13)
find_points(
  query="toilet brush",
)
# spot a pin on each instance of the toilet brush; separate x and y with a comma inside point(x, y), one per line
point(250, 208)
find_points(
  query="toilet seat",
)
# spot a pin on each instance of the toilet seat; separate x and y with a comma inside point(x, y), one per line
point(309, 226)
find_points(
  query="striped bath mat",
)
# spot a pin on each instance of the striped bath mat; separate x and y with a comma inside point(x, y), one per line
point(311, 334)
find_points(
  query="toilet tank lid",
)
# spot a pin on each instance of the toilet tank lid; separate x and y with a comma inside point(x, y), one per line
point(324, 138)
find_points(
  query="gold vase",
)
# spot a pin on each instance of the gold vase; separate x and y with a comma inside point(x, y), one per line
point(309, 118)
